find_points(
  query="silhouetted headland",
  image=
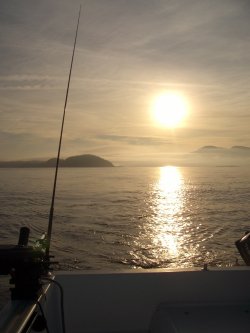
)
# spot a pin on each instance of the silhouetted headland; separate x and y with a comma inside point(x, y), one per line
point(80, 161)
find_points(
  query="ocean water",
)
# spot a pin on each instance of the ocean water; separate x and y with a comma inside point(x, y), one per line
point(129, 218)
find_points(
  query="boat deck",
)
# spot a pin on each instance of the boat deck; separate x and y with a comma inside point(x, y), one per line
point(173, 301)
point(154, 301)
point(205, 318)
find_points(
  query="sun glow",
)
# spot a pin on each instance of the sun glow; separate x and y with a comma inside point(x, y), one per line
point(170, 109)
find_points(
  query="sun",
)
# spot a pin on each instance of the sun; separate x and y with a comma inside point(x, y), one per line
point(170, 109)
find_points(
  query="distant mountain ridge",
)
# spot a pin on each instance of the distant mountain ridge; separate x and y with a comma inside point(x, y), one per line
point(220, 156)
point(80, 161)
point(209, 155)
point(216, 149)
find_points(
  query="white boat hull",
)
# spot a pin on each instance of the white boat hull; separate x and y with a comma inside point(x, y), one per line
point(156, 301)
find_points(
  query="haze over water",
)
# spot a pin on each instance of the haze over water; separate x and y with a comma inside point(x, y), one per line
point(116, 218)
point(151, 79)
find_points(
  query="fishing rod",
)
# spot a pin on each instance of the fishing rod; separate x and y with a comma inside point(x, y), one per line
point(51, 215)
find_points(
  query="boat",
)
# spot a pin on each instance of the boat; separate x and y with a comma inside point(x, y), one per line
point(205, 299)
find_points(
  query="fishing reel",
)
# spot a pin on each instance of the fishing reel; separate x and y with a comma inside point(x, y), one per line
point(25, 264)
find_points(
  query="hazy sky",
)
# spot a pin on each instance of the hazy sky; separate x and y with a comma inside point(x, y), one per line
point(128, 52)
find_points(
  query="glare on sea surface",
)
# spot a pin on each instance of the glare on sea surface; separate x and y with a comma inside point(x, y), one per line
point(168, 204)
point(170, 232)
point(166, 230)
point(170, 109)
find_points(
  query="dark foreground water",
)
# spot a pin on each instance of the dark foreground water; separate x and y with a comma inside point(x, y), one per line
point(116, 218)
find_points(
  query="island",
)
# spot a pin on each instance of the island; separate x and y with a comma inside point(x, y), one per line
point(79, 161)
point(233, 151)
point(220, 156)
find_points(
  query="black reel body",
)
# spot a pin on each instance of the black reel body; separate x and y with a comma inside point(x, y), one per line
point(25, 264)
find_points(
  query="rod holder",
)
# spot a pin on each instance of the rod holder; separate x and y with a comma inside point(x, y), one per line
point(23, 236)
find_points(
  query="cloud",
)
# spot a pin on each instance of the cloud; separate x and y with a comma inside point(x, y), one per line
point(138, 141)
point(31, 82)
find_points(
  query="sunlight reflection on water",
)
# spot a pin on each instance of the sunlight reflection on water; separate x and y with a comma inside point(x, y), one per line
point(169, 231)
point(168, 204)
